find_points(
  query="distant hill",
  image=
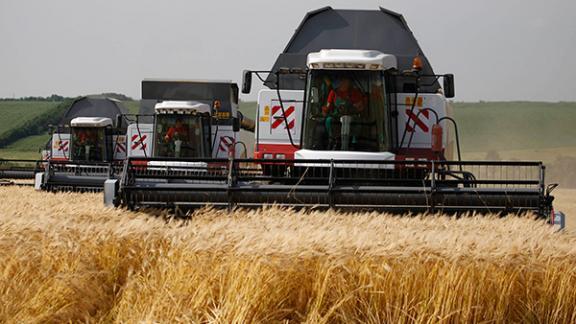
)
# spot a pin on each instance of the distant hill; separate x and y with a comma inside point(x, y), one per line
point(24, 118)
point(502, 126)
point(24, 122)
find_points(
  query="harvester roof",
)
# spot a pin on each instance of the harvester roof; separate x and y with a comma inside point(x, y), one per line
point(93, 106)
point(91, 122)
point(181, 107)
point(381, 30)
point(351, 59)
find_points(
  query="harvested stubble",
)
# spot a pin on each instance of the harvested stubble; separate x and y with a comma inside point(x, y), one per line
point(66, 258)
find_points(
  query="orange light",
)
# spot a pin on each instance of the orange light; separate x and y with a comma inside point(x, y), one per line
point(417, 63)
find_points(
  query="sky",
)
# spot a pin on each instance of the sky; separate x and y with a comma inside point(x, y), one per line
point(497, 49)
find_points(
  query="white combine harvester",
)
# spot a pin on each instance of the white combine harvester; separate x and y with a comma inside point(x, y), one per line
point(83, 155)
point(195, 126)
point(349, 122)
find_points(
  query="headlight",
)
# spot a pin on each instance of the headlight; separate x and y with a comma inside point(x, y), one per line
point(268, 156)
point(281, 156)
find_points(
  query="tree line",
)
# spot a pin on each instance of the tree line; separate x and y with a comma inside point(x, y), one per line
point(58, 98)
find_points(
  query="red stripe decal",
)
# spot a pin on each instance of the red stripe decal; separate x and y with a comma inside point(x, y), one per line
point(417, 121)
point(280, 120)
point(139, 142)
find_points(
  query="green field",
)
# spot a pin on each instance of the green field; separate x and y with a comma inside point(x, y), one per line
point(26, 148)
point(505, 126)
point(15, 113)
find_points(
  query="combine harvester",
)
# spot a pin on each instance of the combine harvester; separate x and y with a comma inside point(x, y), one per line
point(86, 148)
point(355, 118)
point(193, 129)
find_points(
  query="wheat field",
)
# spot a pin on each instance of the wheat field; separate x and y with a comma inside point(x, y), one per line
point(66, 258)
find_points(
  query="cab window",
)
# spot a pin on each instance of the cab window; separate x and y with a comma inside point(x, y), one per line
point(182, 136)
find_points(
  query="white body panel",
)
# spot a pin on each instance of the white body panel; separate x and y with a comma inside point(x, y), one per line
point(119, 147)
point(140, 140)
point(421, 127)
point(192, 167)
point(223, 139)
point(60, 146)
point(38, 181)
point(343, 155)
point(91, 122)
point(181, 107)
point(270, 126)
point(351, 59)
point(346, 155)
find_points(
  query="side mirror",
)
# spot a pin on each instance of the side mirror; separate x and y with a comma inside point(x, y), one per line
point(118, 121)
point(449, 85)
point(246, 81)
point(314, 96)
point(236, 124)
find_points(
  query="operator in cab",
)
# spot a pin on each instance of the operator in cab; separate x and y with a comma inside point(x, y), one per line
point(344, 100)
point(178, 131)
point(86, 137)
point(87, 147)
point(342, 103)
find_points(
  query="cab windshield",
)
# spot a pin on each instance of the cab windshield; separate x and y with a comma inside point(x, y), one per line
point(88, 144)
point(346, 111)
point(186, 136)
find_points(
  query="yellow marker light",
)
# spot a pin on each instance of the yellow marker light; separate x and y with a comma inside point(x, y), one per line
point(410, 100)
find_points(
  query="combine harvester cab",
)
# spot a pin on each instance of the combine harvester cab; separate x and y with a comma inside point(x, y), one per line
point(354, 123)
point(86, 148)
point(187, 139)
